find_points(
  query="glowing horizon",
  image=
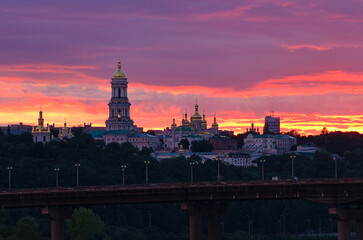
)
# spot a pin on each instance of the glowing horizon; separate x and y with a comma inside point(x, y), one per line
point(240, 59)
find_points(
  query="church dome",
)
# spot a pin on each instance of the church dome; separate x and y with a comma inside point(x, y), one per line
point(196, 116)
point(119, 73)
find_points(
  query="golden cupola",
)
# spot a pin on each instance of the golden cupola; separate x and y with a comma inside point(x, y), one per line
point(196, 116)
point(119, 73)
point(215, 124)
point(173, 125)
point(186, 121)
point(203, 120)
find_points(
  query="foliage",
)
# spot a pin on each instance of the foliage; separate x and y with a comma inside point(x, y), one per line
point(185, 143)
point(26, 229)
point(100, 165)
point(201, 146)
point(85, 225)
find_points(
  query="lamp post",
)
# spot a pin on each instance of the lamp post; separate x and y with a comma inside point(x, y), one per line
point(283, 224)
point(262, 161)
point(56, 169)
point(218, 168)
point(336, 168)
point(9, 169)
point(123, 167)
point(292, 166)
point(147, 171)
point(77, 165)
point(191, 172)
point(249, 225)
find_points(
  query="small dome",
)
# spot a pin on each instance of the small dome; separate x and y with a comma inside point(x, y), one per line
point(196, 116)
point(119, 73)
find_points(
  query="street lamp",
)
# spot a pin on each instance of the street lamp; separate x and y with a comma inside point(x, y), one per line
point(292, 166)
point(283, 224)
point(147, 171)
point(77, 165)
point(123, 167)
point(249, 225)
point(262, 161)
point(336, 167)
point(9, 169)
point(218, 168)
point(191, 171)
point(56, 169)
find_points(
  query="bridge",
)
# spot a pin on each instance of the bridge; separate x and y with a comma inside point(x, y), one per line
point(206, 198)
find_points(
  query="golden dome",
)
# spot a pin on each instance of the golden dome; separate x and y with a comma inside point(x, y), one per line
point(215, 124)
point(203, 120)
point(119, 73)
point(173, 125)
point(196, 115)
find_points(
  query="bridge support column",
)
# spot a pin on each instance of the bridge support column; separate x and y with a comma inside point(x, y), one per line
point(344, 217)
point(214, 226)
point(196, 227)
point(343, 229)
point(196, 211)
point(359, 229)
point(57, 216)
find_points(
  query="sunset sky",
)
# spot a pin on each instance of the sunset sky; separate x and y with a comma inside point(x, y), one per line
point(240, 59)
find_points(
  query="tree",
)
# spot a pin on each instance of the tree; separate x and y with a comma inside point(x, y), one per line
point(26, 229)
point(85, 225)
point(324, 131)
point(201, 146)
point(185, 142)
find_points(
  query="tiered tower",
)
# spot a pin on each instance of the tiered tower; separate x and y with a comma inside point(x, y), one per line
point(119, 105)
point(41, 133)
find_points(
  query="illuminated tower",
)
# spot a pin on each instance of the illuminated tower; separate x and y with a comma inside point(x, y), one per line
point(173, 125)
point(214, 128)
point(41, 133)
point(203, 125)
point(119, 105)
point(196, 119)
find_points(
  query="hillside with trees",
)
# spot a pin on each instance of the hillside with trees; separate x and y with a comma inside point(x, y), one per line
point(33, 166)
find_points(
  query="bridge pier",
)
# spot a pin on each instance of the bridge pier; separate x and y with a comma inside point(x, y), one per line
point(344, 216)
point(196, 210)
point(57, 216)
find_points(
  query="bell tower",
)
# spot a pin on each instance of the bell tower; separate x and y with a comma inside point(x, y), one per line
point(119, 105)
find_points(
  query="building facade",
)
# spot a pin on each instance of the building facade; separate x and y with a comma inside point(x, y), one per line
point(223, 143)
point(268, 144)
point(239, 160)
point(272, 125)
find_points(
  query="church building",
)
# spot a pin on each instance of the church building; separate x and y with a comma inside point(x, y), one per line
point(120, 127)
point(119, 105)
point(41, 133)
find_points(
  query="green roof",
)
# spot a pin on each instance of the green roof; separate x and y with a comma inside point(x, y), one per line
point(183, 129)
point(97, 133)
point(115, 132)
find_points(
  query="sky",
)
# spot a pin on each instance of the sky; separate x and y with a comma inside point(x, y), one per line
point(239, 60)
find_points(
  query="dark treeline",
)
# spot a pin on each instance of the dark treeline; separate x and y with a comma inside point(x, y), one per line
point(33, 166)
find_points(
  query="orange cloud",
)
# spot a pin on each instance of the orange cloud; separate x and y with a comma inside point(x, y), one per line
point(311, 46)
